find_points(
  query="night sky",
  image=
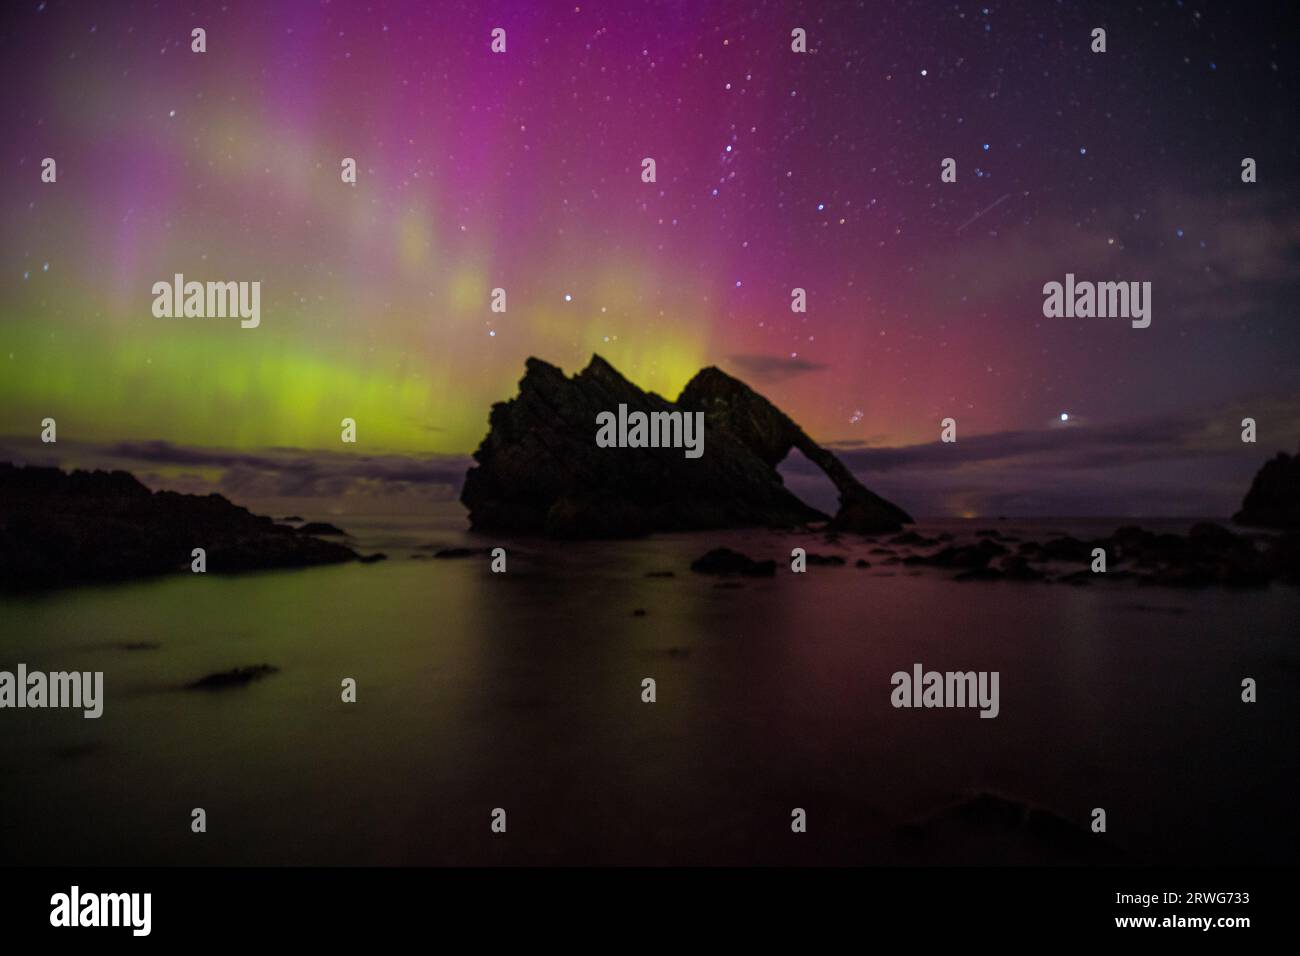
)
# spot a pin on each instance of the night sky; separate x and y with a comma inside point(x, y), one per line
point(775, 170)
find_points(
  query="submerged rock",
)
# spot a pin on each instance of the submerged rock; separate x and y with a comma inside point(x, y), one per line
point(1063, 548)
point(1016, 568)
point(970, 556)
point(913, 539)
point(1209, 554)
point(824, 559)
point(726, 561)
point(236, 677)
point(447, 553)
point(539, 470)
point(1012, 568)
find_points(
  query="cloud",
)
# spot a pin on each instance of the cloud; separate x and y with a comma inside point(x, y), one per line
point(295, 473)
point(1207, 256)
point(1193, 465)
point(265, 473)
point(773, 368)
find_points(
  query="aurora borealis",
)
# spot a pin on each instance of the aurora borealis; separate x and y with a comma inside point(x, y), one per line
point(776, 170)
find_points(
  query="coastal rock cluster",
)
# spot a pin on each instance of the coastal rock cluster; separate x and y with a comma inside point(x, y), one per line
point(61, 528)
point(540, 472)
point(1209, 554)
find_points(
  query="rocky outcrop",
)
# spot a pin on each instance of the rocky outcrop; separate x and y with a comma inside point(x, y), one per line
point(540, 471)
point(1274, 497)
point(60, 528)
point(727, 561)
point(731, 406)
point(987, 827)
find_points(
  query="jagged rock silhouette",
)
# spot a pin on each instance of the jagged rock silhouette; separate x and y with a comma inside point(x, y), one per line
point(1274, 497)
point(62, 528)
point(540, 471)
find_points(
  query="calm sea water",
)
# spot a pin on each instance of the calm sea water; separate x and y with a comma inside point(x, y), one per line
point(523, 691)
